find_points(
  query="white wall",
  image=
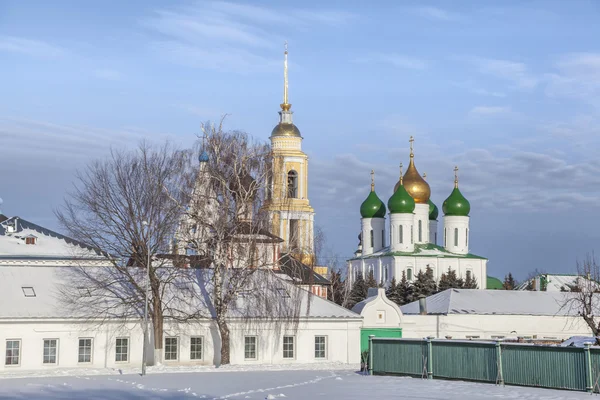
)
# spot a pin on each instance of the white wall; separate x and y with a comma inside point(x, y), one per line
point(343, 342)
point(486, 326)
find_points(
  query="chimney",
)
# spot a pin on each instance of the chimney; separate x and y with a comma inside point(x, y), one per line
point(422, 305)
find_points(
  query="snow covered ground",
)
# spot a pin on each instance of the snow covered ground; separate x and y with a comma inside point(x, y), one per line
point(270, 384)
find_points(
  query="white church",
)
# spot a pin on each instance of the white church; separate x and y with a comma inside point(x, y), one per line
point(408, 243)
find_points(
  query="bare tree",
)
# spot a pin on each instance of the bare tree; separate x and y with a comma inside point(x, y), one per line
point(226, 230)
point(128, 207)
point(584, 297)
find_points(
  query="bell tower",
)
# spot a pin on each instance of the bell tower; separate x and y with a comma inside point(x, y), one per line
point(290, 213)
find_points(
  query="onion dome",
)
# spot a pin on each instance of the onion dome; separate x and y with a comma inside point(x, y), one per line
point(401, 202)
point(414, 183)
point(433, 211)
point(203, 157)
point(372, 207)
point(285, 129)
point(456, 204)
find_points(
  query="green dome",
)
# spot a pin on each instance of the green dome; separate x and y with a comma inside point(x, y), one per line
point(372, 207)
point(433, 211)
point(456, 204)
point(401, 202)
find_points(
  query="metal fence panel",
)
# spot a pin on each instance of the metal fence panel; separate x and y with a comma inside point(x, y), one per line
point(549, 367)
point(407, 357)
point(468, 361)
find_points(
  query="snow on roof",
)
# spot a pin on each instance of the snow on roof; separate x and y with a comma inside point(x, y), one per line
point(554, 283)
point(486, 302)
point(421, 250)
point(46, 283)
point(49, 244)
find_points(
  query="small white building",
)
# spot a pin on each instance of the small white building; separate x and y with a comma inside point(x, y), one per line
point(493, 314)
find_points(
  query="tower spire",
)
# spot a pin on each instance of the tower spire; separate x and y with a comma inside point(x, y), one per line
point(456, 176)
point(285, 106)
point(411, 140)
point(372, 180)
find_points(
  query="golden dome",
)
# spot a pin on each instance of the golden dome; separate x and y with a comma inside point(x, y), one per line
point(285, 129)
point(413, 182)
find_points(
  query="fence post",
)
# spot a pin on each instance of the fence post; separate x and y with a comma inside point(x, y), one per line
point(430, 357)
point(371, 354)
point(588, 367)
point(499, 360)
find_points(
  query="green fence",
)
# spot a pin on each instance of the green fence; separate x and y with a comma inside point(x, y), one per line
point(553, 367)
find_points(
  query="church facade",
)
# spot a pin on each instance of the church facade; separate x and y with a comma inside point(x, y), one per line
point(403, 238)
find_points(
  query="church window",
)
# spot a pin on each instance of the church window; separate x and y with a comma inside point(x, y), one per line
point(383, 238)
point(445, 237)
point(401, 234)
point(456, 236)
point(409, 274)
point(469, 274)
point(420, 231)
point(435, 238)
point(385, 274)
point(411, 234)
point(294, 233)
point(372, 239)
point(292, 183)
point(466, 237)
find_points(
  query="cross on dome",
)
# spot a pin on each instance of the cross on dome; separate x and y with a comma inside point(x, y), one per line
point(456, 176)
point(411, 140)
point(372, 180)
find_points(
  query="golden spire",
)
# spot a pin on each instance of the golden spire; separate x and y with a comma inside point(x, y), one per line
point(372, 180)
point(456, 177)
point(285, 106)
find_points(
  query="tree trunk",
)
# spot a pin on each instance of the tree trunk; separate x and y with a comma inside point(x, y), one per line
point(157, 325)
point(224, 332)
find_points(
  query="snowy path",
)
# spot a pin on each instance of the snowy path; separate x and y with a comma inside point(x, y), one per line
point(263, 385)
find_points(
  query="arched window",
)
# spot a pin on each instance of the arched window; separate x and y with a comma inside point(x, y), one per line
point(420, 231)
point(383, 238)
point(466, 237)
point(401, 234)
point(411, 234)
point(445, 237)
point(372, 239)
point(292, 184)
point(385, 274)
point(409, 274)
point(456, 236)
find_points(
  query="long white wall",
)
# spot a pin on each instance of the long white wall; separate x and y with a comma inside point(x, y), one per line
point(342, 343)
point(492, 326)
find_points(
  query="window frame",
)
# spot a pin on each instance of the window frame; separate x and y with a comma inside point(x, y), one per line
point(324, 350)
point(80, 347)
point(293, 349)
point(6, 356)
point(401, 234)
point(456, 237)
point(192, 351)
point(420, 231)
point(292, 190)
point(117, 346)
point(409, 274)
point(171, 338)
point(372, 238)
point(49, 355)
point(246, 358)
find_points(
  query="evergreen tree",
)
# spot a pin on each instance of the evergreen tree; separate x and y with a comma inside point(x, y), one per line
point(338, 288)
point(449, 280)
point(405, 291)
point(392, 292)
point(470, 282)
point(509, 282)
point(371, 282)
point(359, 291)
point(424, 284)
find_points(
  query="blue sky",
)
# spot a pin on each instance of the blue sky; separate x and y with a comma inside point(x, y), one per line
point(506, 90)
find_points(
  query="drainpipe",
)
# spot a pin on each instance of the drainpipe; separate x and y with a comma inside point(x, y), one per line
point(588, 367)
point(371, 354)
point(430, 357)
point(500, 379)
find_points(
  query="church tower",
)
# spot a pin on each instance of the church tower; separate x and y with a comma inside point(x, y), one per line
point(287, 203)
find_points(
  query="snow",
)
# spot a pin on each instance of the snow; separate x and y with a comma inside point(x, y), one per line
point(255, 384)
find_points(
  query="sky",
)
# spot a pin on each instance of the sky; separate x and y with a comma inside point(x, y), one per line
point(508, 91)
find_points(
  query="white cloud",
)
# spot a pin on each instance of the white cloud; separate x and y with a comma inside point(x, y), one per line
point(489, 110)
point(515, 73)
point(394, 59)
point(437, 14)
point(30, 47)
point(577, 76)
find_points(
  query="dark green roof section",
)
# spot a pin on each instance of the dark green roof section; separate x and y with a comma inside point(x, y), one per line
point(421, 250)
point(494, 283)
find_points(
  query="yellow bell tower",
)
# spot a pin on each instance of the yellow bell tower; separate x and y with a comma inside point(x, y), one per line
point(290, 213)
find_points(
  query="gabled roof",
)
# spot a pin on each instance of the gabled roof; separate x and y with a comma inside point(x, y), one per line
point(48, 281)
point(50, 244)
point(490, 302)
point(300, 272)
point(421, 250)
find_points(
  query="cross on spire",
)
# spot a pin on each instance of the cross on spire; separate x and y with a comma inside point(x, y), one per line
point(372, 180)
point(425, 175)
point(411, 140)
point(456, 176)
point(401, 175)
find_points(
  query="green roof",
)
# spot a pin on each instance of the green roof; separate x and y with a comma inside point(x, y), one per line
point(372, 207)
point(494, 283)
point(421, 250)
